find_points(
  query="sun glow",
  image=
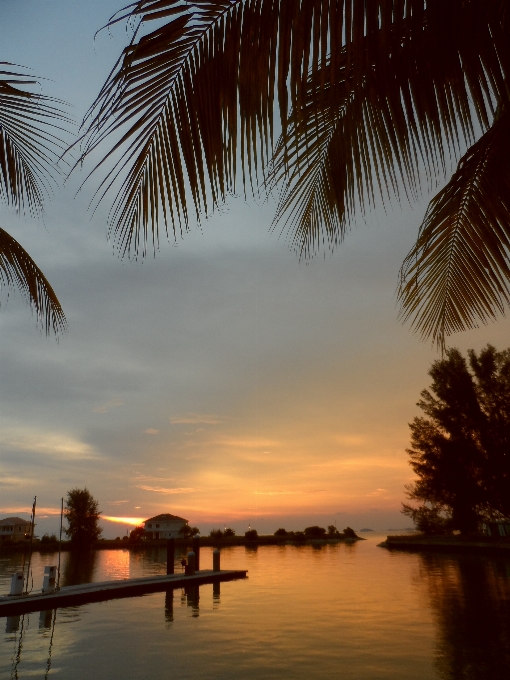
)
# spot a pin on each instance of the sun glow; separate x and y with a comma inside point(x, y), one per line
point(135, 521)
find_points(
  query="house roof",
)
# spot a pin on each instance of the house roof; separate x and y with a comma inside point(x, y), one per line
point(12, 521)
point(167, 517)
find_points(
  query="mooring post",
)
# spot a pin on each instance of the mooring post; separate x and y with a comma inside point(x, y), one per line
point(216, 560)
point(196, 549)
point(49, 580)
point(170, 555)
point(17, 583)
point(190, 569)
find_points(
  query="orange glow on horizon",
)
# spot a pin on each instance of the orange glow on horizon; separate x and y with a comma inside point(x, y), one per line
point(134, 521)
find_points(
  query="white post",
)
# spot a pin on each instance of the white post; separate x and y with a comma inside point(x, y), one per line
point(17, 581)
point(49, 580)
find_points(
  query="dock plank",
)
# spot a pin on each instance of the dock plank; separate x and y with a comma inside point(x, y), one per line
point(69, 596)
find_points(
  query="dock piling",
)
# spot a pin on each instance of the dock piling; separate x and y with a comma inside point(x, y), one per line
point(196, 550)
point(49, 580)
point(170, 555)
point(190, 571)
point(216, 560)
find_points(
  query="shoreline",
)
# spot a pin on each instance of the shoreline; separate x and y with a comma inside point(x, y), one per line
point(477, 545)
point(205, 541)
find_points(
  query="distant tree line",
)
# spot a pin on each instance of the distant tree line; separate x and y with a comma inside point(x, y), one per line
point(218, 533)
point(317, 532)
point(309, 533)
point(188, 532)
point(460, 451)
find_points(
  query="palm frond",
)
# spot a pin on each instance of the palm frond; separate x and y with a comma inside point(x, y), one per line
point(458, 273)
point(173, 133)
point(199, 93)
point(18, 270)
point(370, 96)
point(30, 146)
point(318, 187)
point(29, 141)
point(372, 131)
point(176, 97)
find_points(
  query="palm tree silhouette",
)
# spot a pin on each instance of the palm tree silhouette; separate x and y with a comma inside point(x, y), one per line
point(28, 151)
point(365, 99)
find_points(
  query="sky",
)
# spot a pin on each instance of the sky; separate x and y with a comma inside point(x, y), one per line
point(223, 380)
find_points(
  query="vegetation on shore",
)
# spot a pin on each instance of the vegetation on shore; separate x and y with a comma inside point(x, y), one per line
point(49, 543)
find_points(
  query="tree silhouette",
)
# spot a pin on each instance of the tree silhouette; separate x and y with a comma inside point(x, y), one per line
point(460, 451)
point(82, 516)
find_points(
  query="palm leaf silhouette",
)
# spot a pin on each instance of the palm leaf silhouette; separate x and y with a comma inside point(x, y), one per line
point(18, 270)
point(28, 150)
point(371, 98)
point(459, 269)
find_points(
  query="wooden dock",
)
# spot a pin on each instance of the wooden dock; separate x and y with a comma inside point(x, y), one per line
point(70, 596)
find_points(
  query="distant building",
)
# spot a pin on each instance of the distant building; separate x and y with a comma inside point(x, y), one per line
point(164, 526)
point(15, 529)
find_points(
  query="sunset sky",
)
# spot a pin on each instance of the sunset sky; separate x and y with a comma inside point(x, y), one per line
point(224, 381)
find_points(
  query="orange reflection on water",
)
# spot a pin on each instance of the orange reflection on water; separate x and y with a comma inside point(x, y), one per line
point(115, 564)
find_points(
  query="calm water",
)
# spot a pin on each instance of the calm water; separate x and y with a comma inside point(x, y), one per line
point(352, 612)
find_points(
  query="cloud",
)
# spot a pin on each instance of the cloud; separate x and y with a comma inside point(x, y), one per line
point(23, 510)
point(12, 481)
point(160, 489)
point(150, 478)
point(248, 442)
point(349, 440)
point(54, 444)
point(151, 430)
point(116, 502)
point(377, 492)
point(195, 419)
point(108, 406)
point(287, 493)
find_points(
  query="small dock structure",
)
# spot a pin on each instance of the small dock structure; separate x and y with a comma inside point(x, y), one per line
point(69, 596)
point(52, 596)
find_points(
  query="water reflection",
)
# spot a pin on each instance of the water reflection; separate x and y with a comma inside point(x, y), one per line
point(19, 626)
point(79, 567)
point(12, 624)
point(216, 590)
point(45, 619)
point(471, 600)
point(169, 606)
point(193, 599)
point(364, 612)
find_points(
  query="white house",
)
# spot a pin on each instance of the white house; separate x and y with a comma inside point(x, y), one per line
point(14, 529)
point(164, 526)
